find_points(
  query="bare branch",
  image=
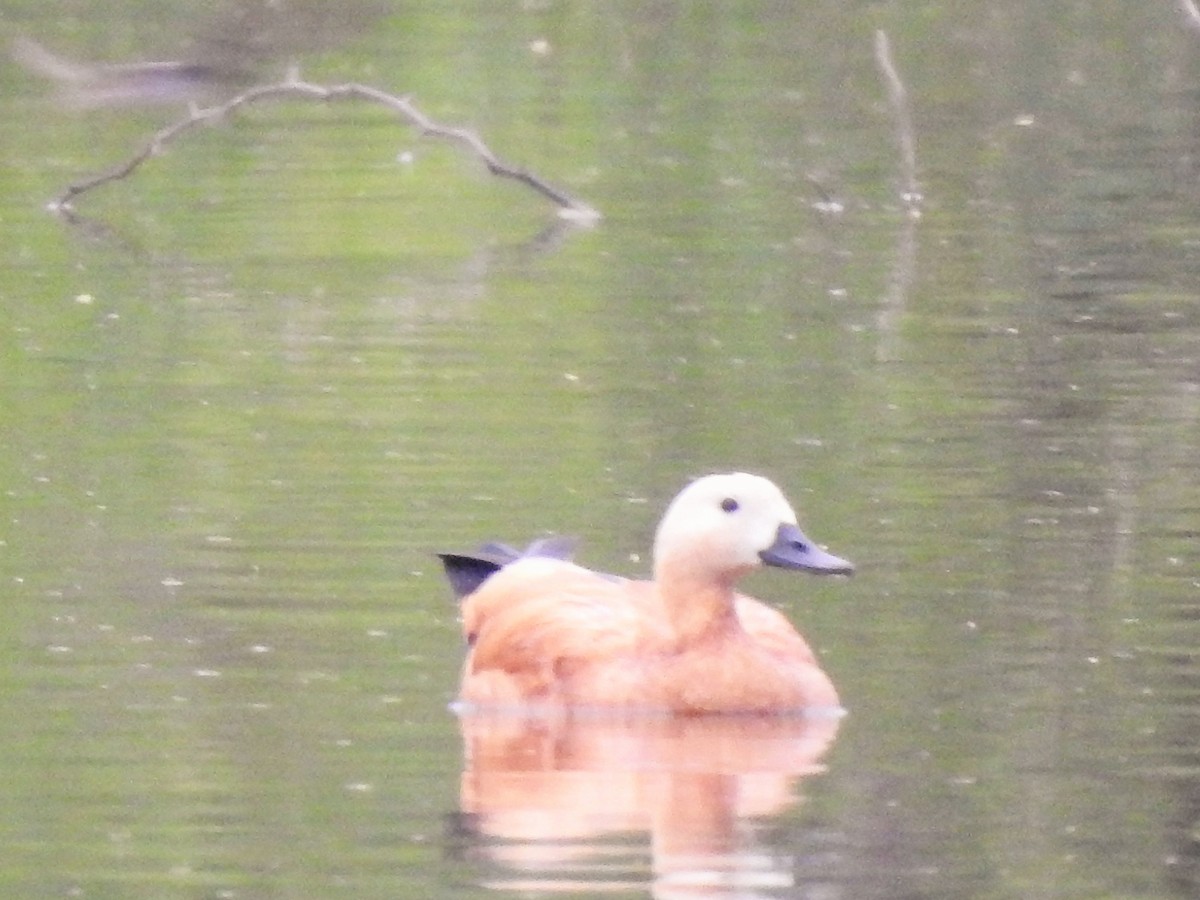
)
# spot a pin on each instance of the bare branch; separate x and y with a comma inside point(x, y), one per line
point(293, 86)
point(898, 97)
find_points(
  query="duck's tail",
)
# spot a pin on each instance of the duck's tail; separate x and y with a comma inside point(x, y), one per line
point(467, 571)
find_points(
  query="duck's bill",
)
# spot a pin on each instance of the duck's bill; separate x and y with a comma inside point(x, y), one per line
point(792, 550)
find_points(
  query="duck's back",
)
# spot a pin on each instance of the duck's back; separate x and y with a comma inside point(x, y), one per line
point(537, 624)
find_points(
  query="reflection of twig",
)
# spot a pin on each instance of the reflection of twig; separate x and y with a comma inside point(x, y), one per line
point(911, 193)
point(292, 85)
point(906, 251)
point(99, 232)
point(895, 298)
point(1191, 14)
point(826, 204)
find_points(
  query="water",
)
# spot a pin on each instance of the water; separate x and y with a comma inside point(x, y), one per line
point(270, 374)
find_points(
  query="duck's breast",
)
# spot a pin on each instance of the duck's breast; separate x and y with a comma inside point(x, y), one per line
point(772, 630)
point(739, 674)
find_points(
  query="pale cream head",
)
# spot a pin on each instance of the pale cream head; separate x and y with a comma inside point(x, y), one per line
point(724, 521)
point(722, 526)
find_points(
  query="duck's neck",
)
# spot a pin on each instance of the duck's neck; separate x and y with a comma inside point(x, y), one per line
point(699, 606)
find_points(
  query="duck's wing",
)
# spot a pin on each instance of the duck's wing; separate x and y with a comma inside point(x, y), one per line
point(556, 546)
point(539, 621)
point(772, 630)
point(467, 571)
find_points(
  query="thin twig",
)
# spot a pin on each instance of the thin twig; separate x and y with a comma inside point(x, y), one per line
point(292, 85)
point(898, 96)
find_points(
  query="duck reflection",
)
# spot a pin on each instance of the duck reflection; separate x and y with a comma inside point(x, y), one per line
point(553, 802)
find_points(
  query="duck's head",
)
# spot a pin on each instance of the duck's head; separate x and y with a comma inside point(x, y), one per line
point(730, 524)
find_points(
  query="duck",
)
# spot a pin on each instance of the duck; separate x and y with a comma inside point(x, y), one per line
point(543, 632)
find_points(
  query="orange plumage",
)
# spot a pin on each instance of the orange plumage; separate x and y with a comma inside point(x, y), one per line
point(547, 633)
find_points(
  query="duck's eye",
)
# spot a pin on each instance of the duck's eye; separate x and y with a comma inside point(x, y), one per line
point(729, 505)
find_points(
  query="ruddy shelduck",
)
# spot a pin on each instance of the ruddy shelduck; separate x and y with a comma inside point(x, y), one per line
point(545, 633)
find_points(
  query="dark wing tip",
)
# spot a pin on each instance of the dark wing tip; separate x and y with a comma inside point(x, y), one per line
point(467, 571)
